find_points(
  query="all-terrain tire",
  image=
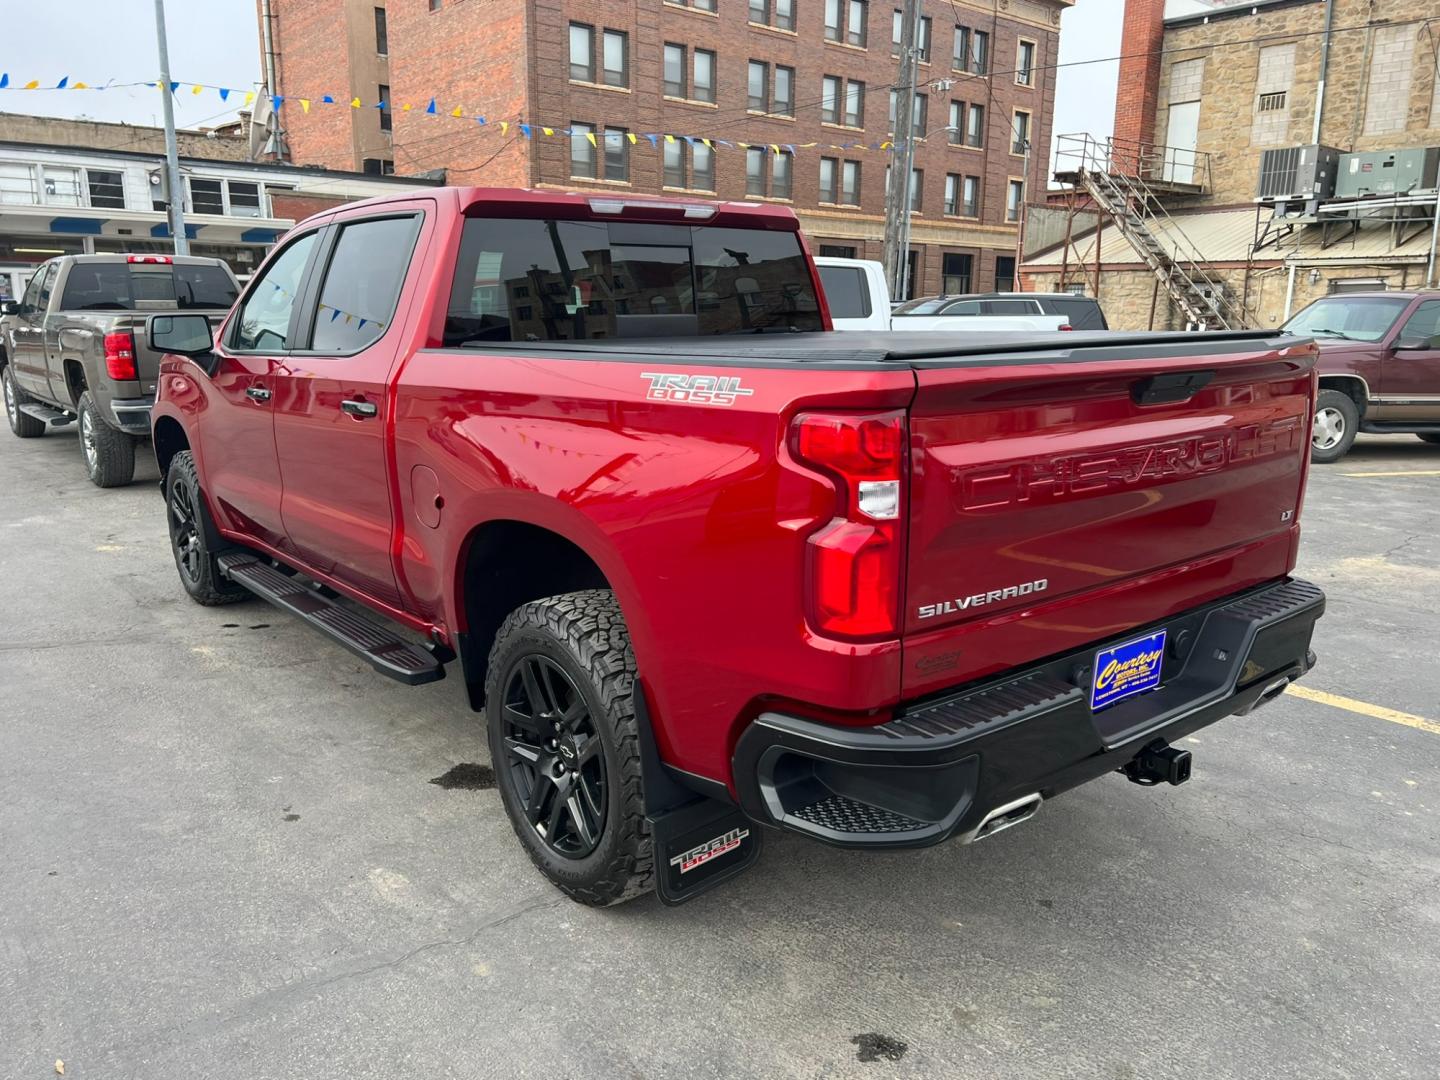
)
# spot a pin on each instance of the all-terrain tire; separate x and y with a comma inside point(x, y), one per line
point(1338, 416)
point(191, 533)
point(109, 454)
point(23, 425)
point(583, 634)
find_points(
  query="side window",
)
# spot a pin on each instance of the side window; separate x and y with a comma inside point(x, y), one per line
point(263, 324)
point(964, 307)
point(31, 300)
point(47, 284)
point(1424, 325)
point(362, 283)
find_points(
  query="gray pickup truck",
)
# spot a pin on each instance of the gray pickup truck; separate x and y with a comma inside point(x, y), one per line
point(73, 347)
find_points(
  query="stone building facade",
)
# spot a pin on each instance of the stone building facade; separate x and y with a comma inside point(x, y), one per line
point(775, 73)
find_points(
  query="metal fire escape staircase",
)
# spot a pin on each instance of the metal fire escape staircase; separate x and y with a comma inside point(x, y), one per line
point(1127, 182)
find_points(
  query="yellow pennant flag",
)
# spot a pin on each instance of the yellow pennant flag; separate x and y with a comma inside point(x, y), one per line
point(32, 84)
point(406, 108)
point(743, 145)
point(886, 145)
point(669, 138)
point(196, 88)
point(630, 135)
point(355, 103)
point(305, 104)
point(457, 111)
point(774, 148)
point(551, 131)
point(249, 96)
point(708, 144)
point(80, 86)
point(504, 127)
point(591, 136)
point(348, 318)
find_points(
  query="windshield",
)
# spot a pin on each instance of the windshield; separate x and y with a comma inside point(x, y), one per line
point(923, 306)
point(117, 286)
point(540, 280)
point(1349, 318)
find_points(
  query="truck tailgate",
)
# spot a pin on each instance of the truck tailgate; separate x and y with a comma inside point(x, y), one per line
point(1048, 487)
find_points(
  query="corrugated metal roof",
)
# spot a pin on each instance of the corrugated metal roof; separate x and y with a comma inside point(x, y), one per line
point(1225, 236)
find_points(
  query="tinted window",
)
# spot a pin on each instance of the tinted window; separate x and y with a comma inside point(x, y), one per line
point(31, 299)
point(1084, 314)
point(363, 283)
point(536, 280)
point(114, 286)
point(845, 290)
point(1011, 307)
point(47, 282)
point(1354, 318)
point(1424, 325)
point(921, 307)
point(963, 307)
point(264, 320)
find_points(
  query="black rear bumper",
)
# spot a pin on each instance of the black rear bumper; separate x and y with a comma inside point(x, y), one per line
point(945, 765)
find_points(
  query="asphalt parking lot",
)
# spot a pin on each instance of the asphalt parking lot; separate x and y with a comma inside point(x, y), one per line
point(221, 856)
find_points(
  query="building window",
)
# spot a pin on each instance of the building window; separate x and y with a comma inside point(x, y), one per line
point(980, 53)
point(837, 251)
point(1025, 63)
point(382, 37)
point(919, 113)
point(757, 94)
point(582, 151)
point(244, 198)
point(922, 52)
point(703, 88)
point(107, 189)
point(784, 103)
point(1004, 273)
point(582, 52)
point(1271, 124)
point(970, 197)
point(772, 178)
point(206, 196)
point(674, 158)
point(1020, 133)
point(674, 72)
point(956, 129)
point(854, 98)
point(387, 118)
point(830, 99)
point(834, 28)
point(617, 154)
point(845, 21)
point(1271, 102)
point(781, 174)
point(952, 193)
point(975, 126)
point(702, 167)
point(1014, 199)
point(698, 5)
point(854, 104)
point(1076, 288)
point(616, 49)
point(377, 166)
point(779, 14)
point(62, 186)
point(955, 271)
point(960, 60)
point(850, 183)
point(829, 179)
point(917, 187)
point(434, 5)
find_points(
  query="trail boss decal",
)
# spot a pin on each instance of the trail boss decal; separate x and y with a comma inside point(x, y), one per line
point(1127, 669)
point(711, 849)
point(979, 599)
point(694, 389)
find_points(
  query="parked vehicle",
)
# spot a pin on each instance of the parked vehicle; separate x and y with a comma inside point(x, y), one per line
point(706, 566)
point(1080, 312)
point(1379, 367)
point(859, 299)
point(73, 348)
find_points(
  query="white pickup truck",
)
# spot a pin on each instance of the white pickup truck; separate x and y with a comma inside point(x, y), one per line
point(859, 299)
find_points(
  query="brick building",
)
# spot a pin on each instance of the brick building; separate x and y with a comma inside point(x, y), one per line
point(1206, 87)
point(768, 72)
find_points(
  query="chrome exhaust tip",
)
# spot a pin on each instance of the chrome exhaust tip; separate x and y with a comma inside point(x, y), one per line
point(1269, 694)
point(1004, 817)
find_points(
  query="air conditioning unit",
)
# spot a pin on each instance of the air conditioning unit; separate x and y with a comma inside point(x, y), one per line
point(1298, 173)
point(1388, 172)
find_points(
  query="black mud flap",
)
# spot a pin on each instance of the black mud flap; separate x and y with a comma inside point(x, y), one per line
point(700, 845)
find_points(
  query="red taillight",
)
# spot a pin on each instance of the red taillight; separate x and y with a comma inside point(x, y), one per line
point(157, 260)
point(854, 561)
point(120, 356)
point(1067, 326)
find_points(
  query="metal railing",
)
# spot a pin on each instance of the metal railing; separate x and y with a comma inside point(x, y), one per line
point(1186, 171)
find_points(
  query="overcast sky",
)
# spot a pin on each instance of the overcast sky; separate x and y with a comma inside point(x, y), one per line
point(215, 42)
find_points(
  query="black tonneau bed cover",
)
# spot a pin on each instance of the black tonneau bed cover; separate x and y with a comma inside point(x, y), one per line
point(910, 348)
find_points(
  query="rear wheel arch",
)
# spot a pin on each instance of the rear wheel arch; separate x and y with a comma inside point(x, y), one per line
point(170, 439)
point(505, 563)
point(1352, 386)
point(75, 381)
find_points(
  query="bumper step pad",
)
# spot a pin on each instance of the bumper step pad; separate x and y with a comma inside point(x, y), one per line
point(839, 814)
point(53, 417)
point(377, 646)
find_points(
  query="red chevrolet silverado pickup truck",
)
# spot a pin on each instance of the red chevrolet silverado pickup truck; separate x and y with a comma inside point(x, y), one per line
point(707, 566)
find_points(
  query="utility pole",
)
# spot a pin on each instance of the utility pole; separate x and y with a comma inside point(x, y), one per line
point(175, 196)
point(902, 156)
point(274, 136)
point(1016, 284)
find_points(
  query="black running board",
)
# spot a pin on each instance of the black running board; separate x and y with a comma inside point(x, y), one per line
point(53, 417)
point(382, 650)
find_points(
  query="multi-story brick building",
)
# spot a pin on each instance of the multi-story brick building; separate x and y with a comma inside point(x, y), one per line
point(811, 75)
point(1206, 87)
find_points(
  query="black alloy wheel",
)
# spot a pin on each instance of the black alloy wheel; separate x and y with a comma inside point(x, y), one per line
point(185, 535)
point(555, 756)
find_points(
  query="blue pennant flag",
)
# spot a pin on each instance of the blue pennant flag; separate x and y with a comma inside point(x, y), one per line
point(431, 107)
point(380, 105)
point(64, 82)
point(275, 102)
point(689, 139)
point(174, 86)
point(525, 130)
point(335, 314)
point(362, 325)
point(327, 100)
point(480, 119)
point(654, 139)
point(224, 94)
point(4, 79)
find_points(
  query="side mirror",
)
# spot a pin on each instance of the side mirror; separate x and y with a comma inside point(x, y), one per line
point(183, 335)
point(10, 307)
point(1418, 344)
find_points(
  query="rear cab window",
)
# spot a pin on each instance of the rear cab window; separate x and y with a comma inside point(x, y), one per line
point(1082, 312)
point(845, 291)
point(533, 279)
point(118, 286)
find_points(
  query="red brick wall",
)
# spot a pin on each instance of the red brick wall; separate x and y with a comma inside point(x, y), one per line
point(1142, 38)
point(312, 59)
point(296, 206)
point(470, 53)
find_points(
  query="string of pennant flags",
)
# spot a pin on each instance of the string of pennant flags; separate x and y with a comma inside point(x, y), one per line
point(528, 129)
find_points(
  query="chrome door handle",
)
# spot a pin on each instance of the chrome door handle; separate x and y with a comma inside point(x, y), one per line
point(361, 409)
point(257, 393)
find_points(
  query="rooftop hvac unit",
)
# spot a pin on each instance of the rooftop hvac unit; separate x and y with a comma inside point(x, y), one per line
point(1298, 172)
point(1388, 172)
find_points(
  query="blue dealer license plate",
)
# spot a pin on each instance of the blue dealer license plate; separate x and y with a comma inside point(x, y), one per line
point(1131, 668)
